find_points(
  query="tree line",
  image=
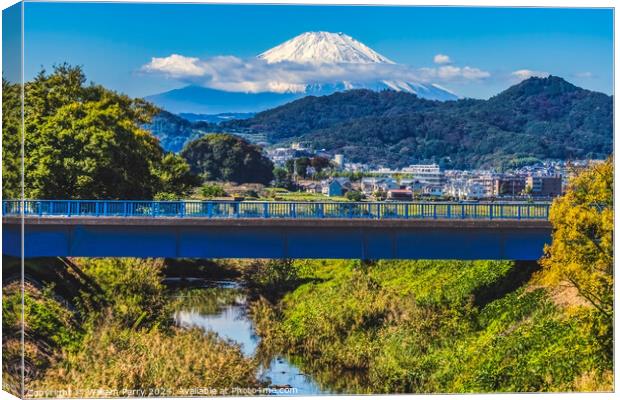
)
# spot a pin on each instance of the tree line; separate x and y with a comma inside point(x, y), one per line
point(83, 141)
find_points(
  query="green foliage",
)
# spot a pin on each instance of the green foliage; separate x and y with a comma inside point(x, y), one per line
point(524, 344)
point(222, 157)
point(11, 140)
point(290, 166)
point(540, 118)
point(165, 196)
point(301, 166)
point(582, 250)
point(48, 324)
point(45, 317)
point(282, 178)
point(354, 195)
point(132, 287)
point(85, 142)
point(118, 358)
point(127, 343)
point(251, 194)
point(211, 190)
point(437, 282)
point(175, 176)
point(272, 277)
point(413, 326)
point(320, 163)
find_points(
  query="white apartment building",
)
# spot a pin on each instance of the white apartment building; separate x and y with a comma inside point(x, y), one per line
point(426, 174)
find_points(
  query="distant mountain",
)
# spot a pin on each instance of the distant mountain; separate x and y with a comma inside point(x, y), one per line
point(200, 100)
point(306, 115)
point(324, 48)
point(310, 50)
point(174, 132)
point(328, 49)
point(215, 118)
point(544, 118)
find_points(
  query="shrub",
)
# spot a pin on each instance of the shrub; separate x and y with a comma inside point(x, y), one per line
point(118, 358)
point(354, 195)
point(132, 287)
point(210, 191)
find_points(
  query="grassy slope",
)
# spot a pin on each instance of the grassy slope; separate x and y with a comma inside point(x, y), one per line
point(416, 327)
point(120, 338)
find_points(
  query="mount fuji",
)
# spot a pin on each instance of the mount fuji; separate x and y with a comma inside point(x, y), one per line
point(311, 53)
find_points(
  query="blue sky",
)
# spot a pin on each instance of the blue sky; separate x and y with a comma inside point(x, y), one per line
point(113, 42)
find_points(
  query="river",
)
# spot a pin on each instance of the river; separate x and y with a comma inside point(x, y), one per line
point(220, 307)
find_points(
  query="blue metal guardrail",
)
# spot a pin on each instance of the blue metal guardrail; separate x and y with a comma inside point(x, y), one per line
point(293, 210)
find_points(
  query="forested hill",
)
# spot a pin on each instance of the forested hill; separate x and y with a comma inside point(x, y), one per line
point(537, 118)
point(174, 131)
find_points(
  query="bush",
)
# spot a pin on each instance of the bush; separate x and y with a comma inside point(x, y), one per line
point(251, 194)
point(210, 191)
point(221, 157)
point(166, 196)
point(354, 195)
point(117, 358)
point(132, 288)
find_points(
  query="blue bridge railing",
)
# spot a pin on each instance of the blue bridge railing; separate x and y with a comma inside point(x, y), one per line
point(292, 210)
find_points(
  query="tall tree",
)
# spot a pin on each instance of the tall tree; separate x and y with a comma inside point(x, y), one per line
point(11, 139)
point(581, 252)
point(301, 166)
point(84, 141)
point(222, 157)
point(319, 163)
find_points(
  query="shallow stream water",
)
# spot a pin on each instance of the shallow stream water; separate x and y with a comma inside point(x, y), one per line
point(223, 311)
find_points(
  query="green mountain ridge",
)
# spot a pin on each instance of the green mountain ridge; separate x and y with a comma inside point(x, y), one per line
point(539, 118)
point(544, 118)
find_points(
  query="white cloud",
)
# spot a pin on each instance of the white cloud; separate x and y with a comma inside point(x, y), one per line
point(442, 59)
point(523, 74)
point(175, 66)
point(451, 73)
point(585, 74)
point(255, 75)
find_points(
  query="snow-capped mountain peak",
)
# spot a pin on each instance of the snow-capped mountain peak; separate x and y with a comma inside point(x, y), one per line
point(323, 48)
point(282, 80)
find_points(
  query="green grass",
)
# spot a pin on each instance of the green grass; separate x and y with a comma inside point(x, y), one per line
point(117, 358)
point(304, 196)
point(128, 341)
point(413, 326)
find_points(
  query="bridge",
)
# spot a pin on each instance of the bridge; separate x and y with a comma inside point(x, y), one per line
point(254, 229)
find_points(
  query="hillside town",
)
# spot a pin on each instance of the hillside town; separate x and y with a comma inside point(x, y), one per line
point(540, 181)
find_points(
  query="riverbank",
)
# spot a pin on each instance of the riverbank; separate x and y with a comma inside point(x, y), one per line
point(436, 327)
point(125, 326)
point(116, 337)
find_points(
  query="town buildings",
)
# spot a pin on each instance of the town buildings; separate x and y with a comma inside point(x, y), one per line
point(543, 180)
point(544, 186)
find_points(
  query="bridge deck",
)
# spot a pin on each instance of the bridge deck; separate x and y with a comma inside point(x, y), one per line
point(276, 238)
point(215, 229)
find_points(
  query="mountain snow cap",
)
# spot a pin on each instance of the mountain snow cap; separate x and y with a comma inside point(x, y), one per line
point(323, 48)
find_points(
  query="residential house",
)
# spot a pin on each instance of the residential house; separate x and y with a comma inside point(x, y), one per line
point(378, 184)
point(336, 186)
point(400, 195)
